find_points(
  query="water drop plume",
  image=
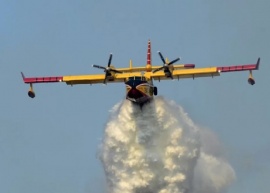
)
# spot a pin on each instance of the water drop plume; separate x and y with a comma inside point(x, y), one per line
point(158, 149)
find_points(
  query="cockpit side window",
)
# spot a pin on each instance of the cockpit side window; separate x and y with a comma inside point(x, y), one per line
point(141, 78)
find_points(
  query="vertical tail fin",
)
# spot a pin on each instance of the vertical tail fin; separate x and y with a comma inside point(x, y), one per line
point(149, 62)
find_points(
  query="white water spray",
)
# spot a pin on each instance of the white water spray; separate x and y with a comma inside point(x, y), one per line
point(159, 150)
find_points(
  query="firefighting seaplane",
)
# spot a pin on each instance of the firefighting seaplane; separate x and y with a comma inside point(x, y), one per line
point(139, 80)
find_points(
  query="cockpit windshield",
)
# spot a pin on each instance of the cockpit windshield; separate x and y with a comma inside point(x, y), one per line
point(140, 78)
point(135, 80)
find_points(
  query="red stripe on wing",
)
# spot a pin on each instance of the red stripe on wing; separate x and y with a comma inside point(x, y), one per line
point(48, 79)
point(237, 68)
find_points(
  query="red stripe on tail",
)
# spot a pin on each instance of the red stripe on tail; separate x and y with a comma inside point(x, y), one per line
point(149, 62)
point(149, 53)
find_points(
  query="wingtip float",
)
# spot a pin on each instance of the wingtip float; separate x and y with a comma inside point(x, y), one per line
point(139, 86)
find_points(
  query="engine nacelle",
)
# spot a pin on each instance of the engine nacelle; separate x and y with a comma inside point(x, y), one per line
point(251, 81)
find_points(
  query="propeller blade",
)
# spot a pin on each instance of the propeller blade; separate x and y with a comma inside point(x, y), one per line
point(107, 69)
point(101, 67)
point(174, 61)
point(110, 60)
point(164, 62)
point(105, 79)
point(158, 69)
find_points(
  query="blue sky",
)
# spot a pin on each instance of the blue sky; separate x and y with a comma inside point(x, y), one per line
point(50, 144)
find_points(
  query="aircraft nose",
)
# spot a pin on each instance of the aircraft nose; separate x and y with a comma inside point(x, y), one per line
point(134, 93)
point(132, 85)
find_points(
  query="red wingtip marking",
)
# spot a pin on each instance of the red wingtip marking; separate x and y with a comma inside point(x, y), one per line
point(43, 79)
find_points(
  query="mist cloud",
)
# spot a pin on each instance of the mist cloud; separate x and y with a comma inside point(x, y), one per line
point(160, 150)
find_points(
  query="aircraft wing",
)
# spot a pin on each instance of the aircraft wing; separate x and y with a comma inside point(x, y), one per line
point(85, 79)
point(79, 79)
point(204, 72)
point(187, 73)
point(99, 78)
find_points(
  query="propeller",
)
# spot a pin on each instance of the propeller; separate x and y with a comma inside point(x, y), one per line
point(107, 69)
point(165, 65)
